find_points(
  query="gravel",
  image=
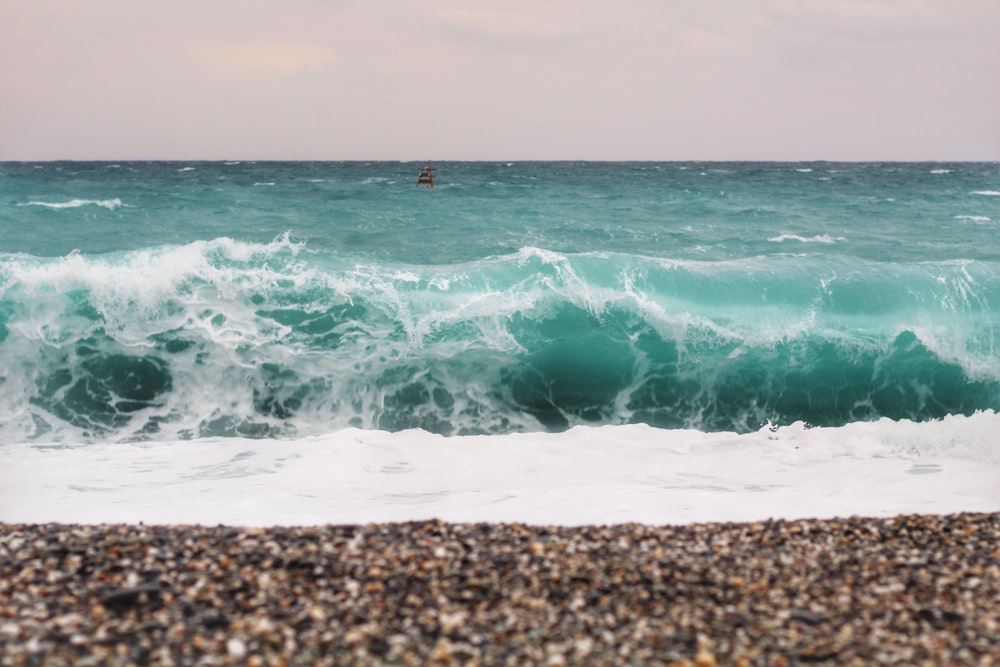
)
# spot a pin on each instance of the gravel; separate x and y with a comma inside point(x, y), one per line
point(908, 590)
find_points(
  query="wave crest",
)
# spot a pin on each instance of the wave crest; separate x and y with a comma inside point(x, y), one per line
point(110, 204)
point(275, 340)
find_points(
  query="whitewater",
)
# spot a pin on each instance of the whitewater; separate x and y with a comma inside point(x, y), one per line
point(569, 343)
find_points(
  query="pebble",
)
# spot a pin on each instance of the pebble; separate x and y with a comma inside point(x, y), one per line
point(908, 590)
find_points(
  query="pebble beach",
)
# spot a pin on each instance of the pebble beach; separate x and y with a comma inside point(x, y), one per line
point(909, 590)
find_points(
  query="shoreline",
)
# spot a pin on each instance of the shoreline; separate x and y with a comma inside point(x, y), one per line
point(912, 589)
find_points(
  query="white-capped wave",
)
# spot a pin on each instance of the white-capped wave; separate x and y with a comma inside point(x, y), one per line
point(159, 288)
point(186, 169)
point(987, 193)
point(940, 171)
point(264, 184)
point(819, 238)
point(973, 218)
point(109, 204)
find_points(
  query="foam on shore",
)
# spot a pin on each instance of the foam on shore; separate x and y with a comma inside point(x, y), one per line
point(610, 474)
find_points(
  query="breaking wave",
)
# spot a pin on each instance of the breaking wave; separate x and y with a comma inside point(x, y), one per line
point(226, 338)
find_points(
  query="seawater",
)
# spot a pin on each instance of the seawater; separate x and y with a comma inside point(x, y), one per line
point(257, 304)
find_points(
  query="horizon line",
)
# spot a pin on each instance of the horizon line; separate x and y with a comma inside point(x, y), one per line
point(519, 160)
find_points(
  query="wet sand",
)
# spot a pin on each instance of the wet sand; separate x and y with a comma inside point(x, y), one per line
point(909, 590)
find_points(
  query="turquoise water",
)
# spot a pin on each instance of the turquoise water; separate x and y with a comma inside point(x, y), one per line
point(143, 301)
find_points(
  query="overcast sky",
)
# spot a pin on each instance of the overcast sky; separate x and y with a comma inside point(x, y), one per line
point(492, 80)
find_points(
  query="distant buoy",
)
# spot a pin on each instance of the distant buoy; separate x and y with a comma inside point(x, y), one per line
point(426, 176)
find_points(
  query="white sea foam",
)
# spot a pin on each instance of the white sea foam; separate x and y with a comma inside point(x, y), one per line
point(608, 474)
point(940, 171)
point(973, 218)
point(186, 169)
point(110, 204)
point(987, 193)
point(264, 183)
point(819, 238)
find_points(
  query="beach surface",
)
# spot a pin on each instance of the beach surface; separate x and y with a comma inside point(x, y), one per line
point(912, 589)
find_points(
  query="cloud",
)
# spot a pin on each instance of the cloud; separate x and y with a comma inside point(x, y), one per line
point(268, 59)
point(850, 23)
point(504, 24)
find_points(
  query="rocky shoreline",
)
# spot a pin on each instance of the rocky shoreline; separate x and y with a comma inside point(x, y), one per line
point(911, 590)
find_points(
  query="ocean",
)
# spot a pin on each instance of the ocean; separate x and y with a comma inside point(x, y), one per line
point(563, 342)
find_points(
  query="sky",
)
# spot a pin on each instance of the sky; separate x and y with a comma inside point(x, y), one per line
point(492, 80)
